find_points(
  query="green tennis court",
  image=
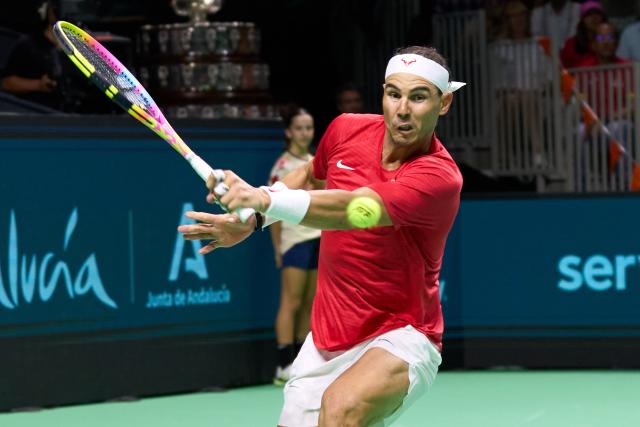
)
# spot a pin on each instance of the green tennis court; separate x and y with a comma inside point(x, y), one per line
point(477, 398)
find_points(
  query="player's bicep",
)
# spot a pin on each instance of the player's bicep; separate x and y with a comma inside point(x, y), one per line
point(385, 219)
point(410, 202)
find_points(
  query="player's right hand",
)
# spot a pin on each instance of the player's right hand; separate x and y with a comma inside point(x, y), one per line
point(240, 194)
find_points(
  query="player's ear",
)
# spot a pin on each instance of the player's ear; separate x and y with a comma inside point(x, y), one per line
point(445, 103)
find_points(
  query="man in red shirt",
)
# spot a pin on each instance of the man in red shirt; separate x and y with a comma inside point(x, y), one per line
point(376, 321)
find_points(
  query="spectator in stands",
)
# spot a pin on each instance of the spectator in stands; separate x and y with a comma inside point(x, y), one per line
point(521, 75)
point(578, 48)
point(609, 90)
point(349, 99)
point(604, 46)
point(557, 19)
point(629, 47)
point(517, 18)
point(494, 18)
point(34, 66)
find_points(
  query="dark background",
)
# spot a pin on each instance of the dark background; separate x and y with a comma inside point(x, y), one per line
point(307, 44)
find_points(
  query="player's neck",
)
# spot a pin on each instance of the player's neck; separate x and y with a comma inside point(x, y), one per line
point(394, 154)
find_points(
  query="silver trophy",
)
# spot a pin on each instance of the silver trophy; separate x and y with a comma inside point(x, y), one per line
point(196, 10)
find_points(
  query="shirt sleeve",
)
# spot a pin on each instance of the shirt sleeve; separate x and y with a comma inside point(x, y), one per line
point(427, 196)
point(328, 140)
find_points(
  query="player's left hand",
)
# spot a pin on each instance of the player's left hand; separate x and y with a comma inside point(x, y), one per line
point(240, 194)
point(224, 230)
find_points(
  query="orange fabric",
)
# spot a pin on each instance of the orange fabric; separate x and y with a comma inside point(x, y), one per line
point(615, 152)
point(567, 83)
point(589, 118)
point(545, 44)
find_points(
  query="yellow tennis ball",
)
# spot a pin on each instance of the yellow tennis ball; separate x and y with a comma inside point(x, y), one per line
point(363, 212)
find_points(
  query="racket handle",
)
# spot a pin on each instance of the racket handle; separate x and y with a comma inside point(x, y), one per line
point(203, 169)
point(243, 213)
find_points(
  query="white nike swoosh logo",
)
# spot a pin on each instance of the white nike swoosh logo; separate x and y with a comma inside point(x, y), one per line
point(342, 166)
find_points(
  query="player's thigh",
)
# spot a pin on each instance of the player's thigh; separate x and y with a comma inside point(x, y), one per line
point(373, 387)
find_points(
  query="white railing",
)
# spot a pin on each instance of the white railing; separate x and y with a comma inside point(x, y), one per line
point(607, 91)
point(461, 38)
point(525, 133)
point(516, 108)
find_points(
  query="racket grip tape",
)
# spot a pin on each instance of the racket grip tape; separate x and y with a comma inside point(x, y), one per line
point(203, 169)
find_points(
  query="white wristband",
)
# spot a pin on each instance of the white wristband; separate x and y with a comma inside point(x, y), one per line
point(287, 205)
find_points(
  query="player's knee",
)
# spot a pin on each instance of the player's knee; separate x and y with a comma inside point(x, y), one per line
point(341, 409)
point(293, 303)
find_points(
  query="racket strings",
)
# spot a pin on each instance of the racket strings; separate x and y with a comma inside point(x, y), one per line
point(110, 70)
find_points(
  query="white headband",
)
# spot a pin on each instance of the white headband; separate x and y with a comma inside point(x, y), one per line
point(422, 67)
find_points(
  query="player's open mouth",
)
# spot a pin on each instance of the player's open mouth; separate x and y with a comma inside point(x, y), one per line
point(405, 128)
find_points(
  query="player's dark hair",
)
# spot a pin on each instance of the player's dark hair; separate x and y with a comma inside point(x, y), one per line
point(429, 53)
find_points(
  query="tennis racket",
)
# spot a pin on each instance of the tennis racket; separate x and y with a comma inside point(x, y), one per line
point(111, 77)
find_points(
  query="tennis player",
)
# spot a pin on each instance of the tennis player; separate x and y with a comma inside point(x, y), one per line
point(376, 326)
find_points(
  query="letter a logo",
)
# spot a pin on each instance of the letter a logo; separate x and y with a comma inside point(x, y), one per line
point(194, 264)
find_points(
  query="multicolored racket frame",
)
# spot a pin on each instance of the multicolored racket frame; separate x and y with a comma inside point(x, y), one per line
point(111, 77)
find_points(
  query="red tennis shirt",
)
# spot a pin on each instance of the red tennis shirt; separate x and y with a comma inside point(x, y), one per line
point(375, 280)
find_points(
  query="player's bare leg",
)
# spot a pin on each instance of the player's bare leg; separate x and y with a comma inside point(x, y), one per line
point(291, 300)
point(304, 314)
point(372, 389)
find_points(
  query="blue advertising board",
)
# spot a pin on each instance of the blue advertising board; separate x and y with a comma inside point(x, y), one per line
point(92, 267)
point(88, 238)
point(88, 242)
point(559, 266)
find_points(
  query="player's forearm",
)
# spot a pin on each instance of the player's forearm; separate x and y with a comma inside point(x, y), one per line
point(15, 84)
point(328, 210)
point(321, 209)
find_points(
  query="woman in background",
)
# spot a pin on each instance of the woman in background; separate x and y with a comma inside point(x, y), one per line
point(296, 249)
point(577, 49)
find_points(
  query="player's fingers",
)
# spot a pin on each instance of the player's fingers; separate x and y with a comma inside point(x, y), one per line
point(211, 199)
point(227, 197)
point(230, 177)
point(207, 218)
point(200, 236)
point(195, 228)
point(208, 248)
point(200, 216)
point(211, 182)
point(233, 219)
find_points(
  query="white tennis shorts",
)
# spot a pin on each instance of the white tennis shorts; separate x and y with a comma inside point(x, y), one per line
point(313, 371)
